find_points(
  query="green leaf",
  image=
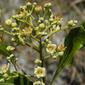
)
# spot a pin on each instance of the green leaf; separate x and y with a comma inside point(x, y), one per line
point(73, 42)
point(22, 80)
point(6, 84)
point(16, 78)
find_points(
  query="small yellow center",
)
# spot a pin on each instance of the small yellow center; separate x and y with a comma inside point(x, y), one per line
point(39, 71)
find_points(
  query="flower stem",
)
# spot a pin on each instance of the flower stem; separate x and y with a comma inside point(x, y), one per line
point(41, 57)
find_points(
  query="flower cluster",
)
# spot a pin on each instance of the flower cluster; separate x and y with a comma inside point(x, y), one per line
point(55, 50)
point(34, 25)
point(4, 72)
point(11, 57)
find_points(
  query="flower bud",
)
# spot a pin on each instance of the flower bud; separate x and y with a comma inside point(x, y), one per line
point(13, 39)
point(38, 83)
point(1, 28)
point(42, 25)
point(10, 57)
point(72, 22)
point(14, 24)
point(2, 80)
point(38, 9)
point(27, 31)
point(8, 22)
point(60, 53)
point(34, 3)
point(38, 61)
point(23, 7)
point(48, 5)
point(15, 28)
point(9, 48)
point(28, 4)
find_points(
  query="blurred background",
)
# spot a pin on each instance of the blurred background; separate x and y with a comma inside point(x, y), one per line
point(68, 9)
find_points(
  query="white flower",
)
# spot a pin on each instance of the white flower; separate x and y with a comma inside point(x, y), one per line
point(27, 31)
point(38, 83)
point(51, 48)
point(61, 47)
point(40, 72)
